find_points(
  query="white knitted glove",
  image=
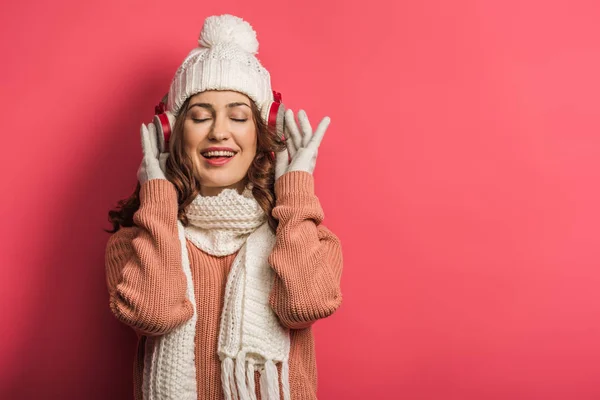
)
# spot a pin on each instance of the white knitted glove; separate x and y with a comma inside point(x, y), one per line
point(302, 146)
point(153, 162)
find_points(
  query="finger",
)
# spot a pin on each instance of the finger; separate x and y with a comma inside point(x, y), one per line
point(290, 122)
point(163, 161)
point(289, 142)
point(153, 138)
point(281, 162)
point(305, 126)
point(319, 133)
point(144, 139)
point(290, 147)
point(294, 134)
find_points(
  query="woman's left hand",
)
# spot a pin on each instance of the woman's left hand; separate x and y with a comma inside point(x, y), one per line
point(303, 145)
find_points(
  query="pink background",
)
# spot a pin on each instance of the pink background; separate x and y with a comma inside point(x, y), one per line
point(461, 171)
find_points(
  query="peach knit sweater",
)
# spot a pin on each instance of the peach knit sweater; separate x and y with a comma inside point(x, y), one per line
point(147, 285)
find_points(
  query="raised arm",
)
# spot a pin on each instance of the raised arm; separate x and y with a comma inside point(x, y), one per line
point(144, 276)
point(307, 257)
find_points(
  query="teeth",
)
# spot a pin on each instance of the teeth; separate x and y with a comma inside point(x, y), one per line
point(219, 153)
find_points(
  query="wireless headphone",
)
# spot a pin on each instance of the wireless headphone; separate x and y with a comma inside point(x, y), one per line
point(272, 112)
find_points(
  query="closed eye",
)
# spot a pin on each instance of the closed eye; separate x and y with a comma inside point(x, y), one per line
point(207, 119)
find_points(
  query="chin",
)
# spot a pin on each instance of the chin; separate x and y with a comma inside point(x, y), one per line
point(216, 183)
point(221, 177)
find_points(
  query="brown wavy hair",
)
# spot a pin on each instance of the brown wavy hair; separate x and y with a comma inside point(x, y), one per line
point(180, 171)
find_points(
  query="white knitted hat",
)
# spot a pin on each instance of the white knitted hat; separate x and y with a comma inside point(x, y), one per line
point(224, 60)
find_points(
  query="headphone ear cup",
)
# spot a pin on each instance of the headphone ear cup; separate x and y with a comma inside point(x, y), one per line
point(280, 121)
point(274, 114)
point(164, 123)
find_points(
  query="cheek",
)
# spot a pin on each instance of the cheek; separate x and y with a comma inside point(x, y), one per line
point(250, 142)
point(191, 140)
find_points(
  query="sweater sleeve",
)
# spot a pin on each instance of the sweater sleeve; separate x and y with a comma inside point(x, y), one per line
point(306, 258)
point(145, 280)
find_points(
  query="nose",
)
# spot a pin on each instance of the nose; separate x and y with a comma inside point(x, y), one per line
point(220, 129)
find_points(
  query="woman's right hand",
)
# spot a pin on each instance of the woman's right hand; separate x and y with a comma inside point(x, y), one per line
point(153, 163)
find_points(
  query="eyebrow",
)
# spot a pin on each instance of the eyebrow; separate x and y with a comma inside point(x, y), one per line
point(210, 106)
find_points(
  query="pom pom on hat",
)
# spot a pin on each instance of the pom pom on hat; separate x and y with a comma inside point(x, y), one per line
point(228, 28)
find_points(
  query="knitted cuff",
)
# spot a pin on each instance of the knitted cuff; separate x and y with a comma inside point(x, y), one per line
point(295, 182)
point(158, 190)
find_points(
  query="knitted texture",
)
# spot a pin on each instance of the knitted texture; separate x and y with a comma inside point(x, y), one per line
point(250, 335)
point(170, 368)
point(224, 60)
point(221, 224)
point(147, 285)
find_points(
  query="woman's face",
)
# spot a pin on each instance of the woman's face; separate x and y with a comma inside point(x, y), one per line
point(221, 119)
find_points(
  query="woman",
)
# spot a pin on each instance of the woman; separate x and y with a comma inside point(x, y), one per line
point(219, 261)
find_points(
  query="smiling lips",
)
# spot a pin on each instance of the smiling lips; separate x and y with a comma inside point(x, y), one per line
point(218, 157)
point(218, 160)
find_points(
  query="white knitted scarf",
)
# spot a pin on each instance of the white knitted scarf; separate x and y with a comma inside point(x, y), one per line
point(250, 335)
